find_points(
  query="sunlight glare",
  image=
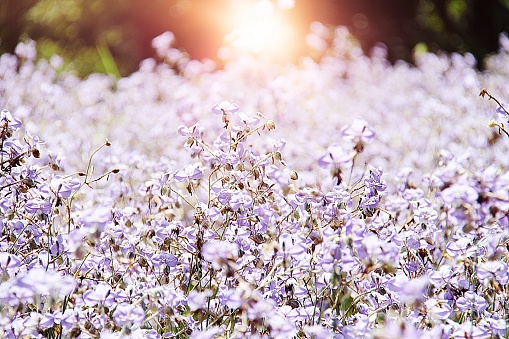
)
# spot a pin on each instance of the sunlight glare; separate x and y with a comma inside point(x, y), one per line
point(261, 29)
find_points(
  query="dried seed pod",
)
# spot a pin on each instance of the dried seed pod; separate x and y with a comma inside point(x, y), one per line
point(142, 262)
point(293, 303)
point(36, 153)
point(270, 125)
point(257, 238)
point(294, 175)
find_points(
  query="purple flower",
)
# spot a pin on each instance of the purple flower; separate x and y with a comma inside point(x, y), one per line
point(424, 212)
point(438, 308)
point(198, 300)
point(219, 252)
point(225, 107)
point(191, 171)
point(397, 283)
point(370, 203)
point(13, 123)
point(441, 276)
point(493, 269)
point(349, 263)
point(96, 219)
point(501, 111)
point(460, 247)
point(261, 309)
point(193, 131)
point(38, 205)
point(224, 196)
point(168, 259)
point(375, 182)
point(9, 261)
point(65, 187)
point(358, 132)
point(336, 156)
point(470, 330)
point(210, 333)
point(471, 301)
point(240, 199)
point(249, 120)
point(231, 298)
point(359, 329)
point(101, 294)
point(461, 192)
point(67, 319)
point(129, 314)
point(498, 326)
point(13, 147)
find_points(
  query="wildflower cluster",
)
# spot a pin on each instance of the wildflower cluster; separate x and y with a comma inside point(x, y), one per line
point(226, 222)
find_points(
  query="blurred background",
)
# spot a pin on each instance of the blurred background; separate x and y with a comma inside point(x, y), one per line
point(113, 36)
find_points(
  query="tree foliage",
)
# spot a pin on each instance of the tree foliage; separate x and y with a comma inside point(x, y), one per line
point(113, 36)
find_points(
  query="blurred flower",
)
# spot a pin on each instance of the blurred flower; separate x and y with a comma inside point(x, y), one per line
point(231, 298)
point(471, 330)
point(219, 252)
point(198, 300)
point(461, 192)
point(95, 219)
point(286, 4)
point(210, 333)
point(128, 314)
point(397, 329)
point(336, 156)
point(26, 50)
point(415, 289)
point(225, 107)
point(162, 43)
point(498, 270)
point(438, 308)
point(359, 133)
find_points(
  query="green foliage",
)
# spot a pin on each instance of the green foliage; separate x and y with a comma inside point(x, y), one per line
point(90, 35)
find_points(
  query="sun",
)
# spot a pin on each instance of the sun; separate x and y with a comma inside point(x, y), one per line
point(260, 28)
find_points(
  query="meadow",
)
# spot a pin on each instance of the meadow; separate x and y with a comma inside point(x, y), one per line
point(340, 197)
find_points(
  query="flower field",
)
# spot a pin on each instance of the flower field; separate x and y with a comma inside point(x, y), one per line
point(343, 197)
